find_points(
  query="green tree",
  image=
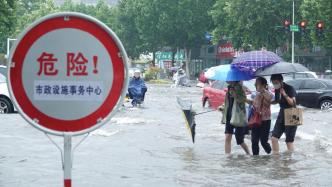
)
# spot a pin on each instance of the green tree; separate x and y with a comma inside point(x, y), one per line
point(151, 25)
point(7, 21)
point(184, 24)
point(319, 10)
point(30, 11)
point(105, 13)
point(70, 6)
point(251, 21)
point(148, 25)
point(127, 27)
point(102, 11)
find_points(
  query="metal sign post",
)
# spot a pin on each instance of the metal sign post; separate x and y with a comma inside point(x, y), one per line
point(67, 159)
point(293, 38)
point(67, 77)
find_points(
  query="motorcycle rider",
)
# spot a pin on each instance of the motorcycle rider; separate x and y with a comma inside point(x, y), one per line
point(180, 78)
point(137, 88)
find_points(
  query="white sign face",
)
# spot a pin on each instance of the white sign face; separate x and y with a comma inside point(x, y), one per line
point(65, 65)
point(72, 71)
point(68, 91)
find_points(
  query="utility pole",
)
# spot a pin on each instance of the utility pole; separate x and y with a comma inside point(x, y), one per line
point(293, 23)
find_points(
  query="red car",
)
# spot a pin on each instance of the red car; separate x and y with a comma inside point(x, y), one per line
point(202, 77)
point(214, 95)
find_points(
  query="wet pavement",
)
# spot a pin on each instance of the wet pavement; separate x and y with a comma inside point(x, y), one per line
point(150, 146)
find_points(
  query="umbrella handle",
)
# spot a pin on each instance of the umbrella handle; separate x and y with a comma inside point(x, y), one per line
point(204, 112)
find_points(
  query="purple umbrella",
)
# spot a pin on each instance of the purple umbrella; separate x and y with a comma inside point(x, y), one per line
point(256, 59)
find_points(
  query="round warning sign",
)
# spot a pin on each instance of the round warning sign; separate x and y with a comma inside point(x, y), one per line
point(68, 73)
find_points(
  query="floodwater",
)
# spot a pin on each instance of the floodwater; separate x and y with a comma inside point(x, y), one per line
point(150, 146)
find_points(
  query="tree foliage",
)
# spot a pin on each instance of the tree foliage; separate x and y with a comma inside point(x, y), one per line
point(151, 25)
point(259, 23)
point(318, 10)
point(251, 21)
point(128, 27)
point(7, 21)
point(29, 11)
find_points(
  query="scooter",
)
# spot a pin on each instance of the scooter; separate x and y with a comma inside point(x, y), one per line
point(137, 99)
point(181, 79)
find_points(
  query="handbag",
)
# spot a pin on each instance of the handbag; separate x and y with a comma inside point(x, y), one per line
point(255, 119)
point(239, 117)
point(293, 116)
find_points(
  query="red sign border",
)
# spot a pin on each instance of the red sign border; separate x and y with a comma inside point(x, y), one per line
point(60, 21)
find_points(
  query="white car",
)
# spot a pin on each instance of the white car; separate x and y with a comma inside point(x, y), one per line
point(6, 104)
point(300, 75)
point(3, 70)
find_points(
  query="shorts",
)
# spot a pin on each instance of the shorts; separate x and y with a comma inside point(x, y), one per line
point(239, 132)
point(280, 128)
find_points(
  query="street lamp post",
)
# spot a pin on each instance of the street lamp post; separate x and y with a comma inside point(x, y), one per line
point(8, 46)
point(293, 22)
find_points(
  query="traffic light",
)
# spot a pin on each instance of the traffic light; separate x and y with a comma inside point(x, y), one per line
point(302, 25)
point(287, 24)
point(319, 28)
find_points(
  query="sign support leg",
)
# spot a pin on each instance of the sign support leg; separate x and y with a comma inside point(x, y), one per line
point(67, 159)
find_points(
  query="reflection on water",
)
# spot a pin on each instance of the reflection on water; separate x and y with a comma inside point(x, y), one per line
point(186, 154)
point(238, 170)
point(281, 166)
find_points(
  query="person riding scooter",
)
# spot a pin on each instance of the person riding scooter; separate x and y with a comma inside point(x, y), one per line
point(180, 78)
point(137, 89)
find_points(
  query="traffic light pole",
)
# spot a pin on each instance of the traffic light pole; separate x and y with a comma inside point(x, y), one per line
point(293, 20)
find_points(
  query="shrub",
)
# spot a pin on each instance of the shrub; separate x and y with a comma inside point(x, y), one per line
point(152, 73)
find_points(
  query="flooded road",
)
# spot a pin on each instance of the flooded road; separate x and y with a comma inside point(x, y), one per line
point(150, 146)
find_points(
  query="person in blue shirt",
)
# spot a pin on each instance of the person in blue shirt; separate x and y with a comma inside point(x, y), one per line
point(137, 88)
